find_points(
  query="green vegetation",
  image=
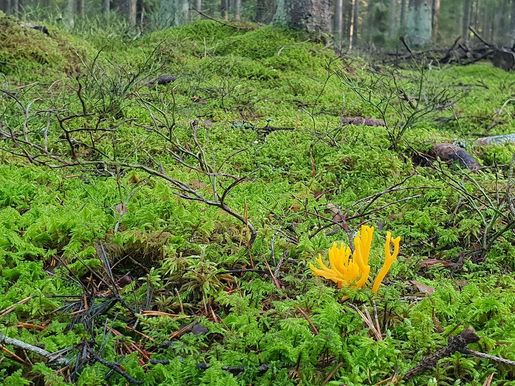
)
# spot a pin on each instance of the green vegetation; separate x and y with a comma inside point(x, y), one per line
point(103, 253)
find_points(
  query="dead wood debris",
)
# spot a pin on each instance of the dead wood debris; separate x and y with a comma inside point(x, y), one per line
point(362, 121)
point(53, 358)
point(456, 343)
point(460, 52)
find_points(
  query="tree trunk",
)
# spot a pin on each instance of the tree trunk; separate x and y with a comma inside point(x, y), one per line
point(281, 15)
point(70, 13)
point(224, 9)
point(132, 12)
point(466, 19)
point(15, 7)
point(265, 11)
point(512, 24)
point(106, 6)
point(338, 26)
point(435, 22)
point(403, 18)
point(353, 31)
point(81, 11)
point(237, 10)
point(419, 22)
point(181, 12)
point(309, 15)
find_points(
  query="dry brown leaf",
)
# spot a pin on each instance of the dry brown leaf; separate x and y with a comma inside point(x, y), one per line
point(421, 287)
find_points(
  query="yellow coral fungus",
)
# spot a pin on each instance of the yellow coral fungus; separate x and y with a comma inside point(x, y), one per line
point(353, 272)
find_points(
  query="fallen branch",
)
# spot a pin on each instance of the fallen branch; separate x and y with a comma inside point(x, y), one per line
point(51, 357)
point(456, 343)
point(496, 140)
point(494, 358)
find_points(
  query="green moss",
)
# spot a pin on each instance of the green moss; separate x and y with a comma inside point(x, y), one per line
point(268, 104)
point(29, 54)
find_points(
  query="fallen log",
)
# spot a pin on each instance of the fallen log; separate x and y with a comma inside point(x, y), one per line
point(496, 140)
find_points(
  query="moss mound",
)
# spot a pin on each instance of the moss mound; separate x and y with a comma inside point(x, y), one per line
point(28, 53)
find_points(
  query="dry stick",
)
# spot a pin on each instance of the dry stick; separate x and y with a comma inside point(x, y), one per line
point(25, 346)
point(455, 343)
point(494, 358)
point(11, 308)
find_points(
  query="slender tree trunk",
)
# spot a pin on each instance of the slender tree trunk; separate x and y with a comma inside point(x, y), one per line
point(503, 16)
point(237, 10)
point(70, 13)
point(81, 11)
point(368, 25)
point(435, 19)
point(198, 5)
point(224, 9)
point(512, 24)
point(15, 7)
point(353, 32)
point(403, 17)
point(393, 26)
point(466, 19)
point(132, 12)
point(338, 26)
point(106, 6)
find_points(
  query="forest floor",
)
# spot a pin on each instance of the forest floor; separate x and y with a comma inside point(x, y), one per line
point(162, 233)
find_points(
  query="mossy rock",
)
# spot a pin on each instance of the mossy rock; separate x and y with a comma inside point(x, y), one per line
point(28, 53)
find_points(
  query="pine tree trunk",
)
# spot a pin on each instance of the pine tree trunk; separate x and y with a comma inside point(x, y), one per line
point(265, 10)
point(435, 19)
point(512, 24)
point(70, 13)
point(237, 10)
point(338, 26)
point(313, 16)
point(132, 12)
point(81, 11)
point(419, 22)
point(181, 15)
point(224, 9)
point(353, 32)
point(466, 19)
point(403, 17)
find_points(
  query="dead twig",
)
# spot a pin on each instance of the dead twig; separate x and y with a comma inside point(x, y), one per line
point(51, 357)
point(494, 358)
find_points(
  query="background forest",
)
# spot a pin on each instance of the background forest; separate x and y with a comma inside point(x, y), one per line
point(370, 24)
